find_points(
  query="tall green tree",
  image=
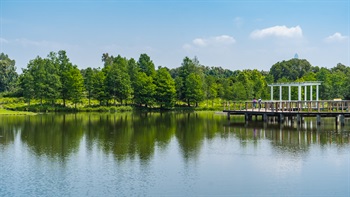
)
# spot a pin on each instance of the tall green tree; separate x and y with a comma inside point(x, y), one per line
point(145, 89)
point(211, 89)
point(99, 87)
point(64, 65)
point(194, 89)
point(187, 68)
point(88, 82)
point(165, 88)
point(75, 83)
point(146, 65)
point(8, 74)
point(291, 69)
point(46, 81)
point(26, 83)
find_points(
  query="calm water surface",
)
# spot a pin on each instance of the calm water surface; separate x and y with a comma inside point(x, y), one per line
point(170, 154)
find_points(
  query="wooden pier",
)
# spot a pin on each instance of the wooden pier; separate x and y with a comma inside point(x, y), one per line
point(293, 110)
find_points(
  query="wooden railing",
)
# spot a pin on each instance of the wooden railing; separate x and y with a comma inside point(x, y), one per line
point(291, 106)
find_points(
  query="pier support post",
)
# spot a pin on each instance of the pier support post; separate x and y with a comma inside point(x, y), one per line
point(281, 118)
point(342, 120)
point(318, 119)
point(228, 115)
point(265, 118)
point(298, 118)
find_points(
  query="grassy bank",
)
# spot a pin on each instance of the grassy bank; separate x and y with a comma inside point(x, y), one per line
point(18, 104)
point(10, 112)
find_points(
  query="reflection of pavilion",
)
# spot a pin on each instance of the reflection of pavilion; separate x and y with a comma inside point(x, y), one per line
point(304, 84)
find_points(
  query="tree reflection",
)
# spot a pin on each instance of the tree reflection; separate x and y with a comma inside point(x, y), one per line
point(130, 136)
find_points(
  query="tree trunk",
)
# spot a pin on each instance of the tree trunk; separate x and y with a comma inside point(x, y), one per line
point(64, 102)
point(188, 102)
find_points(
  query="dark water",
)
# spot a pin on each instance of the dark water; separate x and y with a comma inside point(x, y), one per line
point(170, 154)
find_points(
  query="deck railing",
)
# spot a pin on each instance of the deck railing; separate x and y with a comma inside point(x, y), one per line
point(291, 106)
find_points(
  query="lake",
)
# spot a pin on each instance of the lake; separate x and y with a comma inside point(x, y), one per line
point(171, 154)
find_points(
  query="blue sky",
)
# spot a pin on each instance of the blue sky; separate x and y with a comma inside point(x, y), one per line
point(233, 34)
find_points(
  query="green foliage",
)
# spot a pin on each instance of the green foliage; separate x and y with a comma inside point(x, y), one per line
point(88, 82)
point(8, 75)
point(55, 84)
point(144, 90)
point(146, 65)
point(117, 81)
point(45, 82)
point(75, 84)
point(99, 88)
point(194, 89)
point(292, 69)
point(165, 88)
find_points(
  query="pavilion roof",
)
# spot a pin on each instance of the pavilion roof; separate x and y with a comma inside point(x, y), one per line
point(304, 83)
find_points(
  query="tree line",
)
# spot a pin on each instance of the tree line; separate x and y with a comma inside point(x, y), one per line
point(129, 81)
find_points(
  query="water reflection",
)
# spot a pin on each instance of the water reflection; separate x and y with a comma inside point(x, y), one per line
point(137, 135)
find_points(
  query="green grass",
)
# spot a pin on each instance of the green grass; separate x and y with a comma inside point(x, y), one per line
point(10, 112)
point(13, 104)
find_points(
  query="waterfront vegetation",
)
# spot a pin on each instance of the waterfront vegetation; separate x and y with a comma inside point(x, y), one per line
point(54, 84)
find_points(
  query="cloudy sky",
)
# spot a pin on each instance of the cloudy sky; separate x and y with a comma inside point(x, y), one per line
point(233, 34)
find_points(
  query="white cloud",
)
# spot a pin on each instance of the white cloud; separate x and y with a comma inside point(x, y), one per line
point(214, 41)
point(200, 42)
point(278, 31)
point(336, 37)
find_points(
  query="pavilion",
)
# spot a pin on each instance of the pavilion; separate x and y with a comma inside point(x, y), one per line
point(304, 84)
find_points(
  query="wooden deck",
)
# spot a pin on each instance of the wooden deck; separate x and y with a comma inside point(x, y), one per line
point(294, 110)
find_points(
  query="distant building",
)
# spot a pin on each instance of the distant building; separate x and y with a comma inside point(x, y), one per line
point(296, 56)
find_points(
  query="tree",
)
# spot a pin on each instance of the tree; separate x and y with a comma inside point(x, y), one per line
point(75, 83)
point(146, 65)
point(64, 67)
point(8, 75)
point(291, 69)
point(194, 89)
point(325, 87)
point(211, 88)
point(26, 81)
point(99, 87)
point(165, 88)
point(46, 82)
point(124, 90)
point(144, 89)
point(187, 68)
point(88, 82)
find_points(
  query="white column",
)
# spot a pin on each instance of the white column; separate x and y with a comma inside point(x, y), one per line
point(305, 93)
point(289, 94)
point(311, 93)
point(280, 92)
point(316, 92)
point(271, 92)
point(299, 93)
